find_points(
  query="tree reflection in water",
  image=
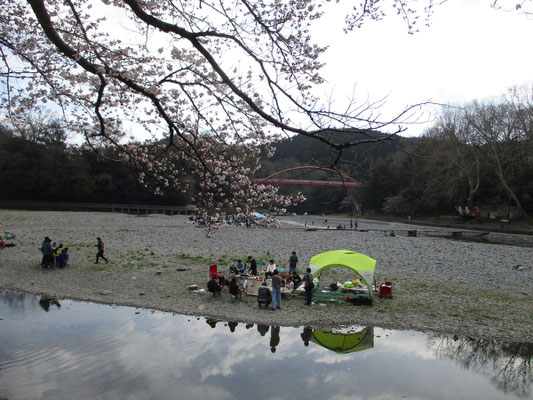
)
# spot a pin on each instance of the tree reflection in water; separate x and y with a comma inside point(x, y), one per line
point(160, 349)
point(508, 365)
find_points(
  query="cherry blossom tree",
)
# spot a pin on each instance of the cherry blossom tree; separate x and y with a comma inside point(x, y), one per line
point(210, 80)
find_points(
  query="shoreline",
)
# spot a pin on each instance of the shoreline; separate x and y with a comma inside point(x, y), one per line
point(440, 285)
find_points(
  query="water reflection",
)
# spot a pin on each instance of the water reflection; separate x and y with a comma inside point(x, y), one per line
point(507, 365)
point(342, 343)
point(46, 302)
point(85, 350)
point(274, 338)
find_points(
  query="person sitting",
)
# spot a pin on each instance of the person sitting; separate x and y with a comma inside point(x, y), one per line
point(270, 269)
point(234, 289)
point(296, 280)
point(214, 287)
point(62, 259)
point(264, 296)
point(240, 267)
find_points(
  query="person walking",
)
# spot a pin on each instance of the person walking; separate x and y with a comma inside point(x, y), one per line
point(276, 290)
point(293, 262)
point(309, 285)
point(100, 254)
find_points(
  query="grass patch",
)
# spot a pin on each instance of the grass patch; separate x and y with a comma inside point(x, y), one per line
point(97, 268)
point(200, 259)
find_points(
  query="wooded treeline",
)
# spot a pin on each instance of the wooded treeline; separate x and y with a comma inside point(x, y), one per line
point(40, 168)
point(479, 155)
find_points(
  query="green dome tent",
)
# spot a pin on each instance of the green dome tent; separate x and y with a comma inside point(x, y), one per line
point(345, 342)
point(362, 265)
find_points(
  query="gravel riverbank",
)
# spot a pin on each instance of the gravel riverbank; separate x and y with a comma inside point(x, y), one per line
point(440, 284)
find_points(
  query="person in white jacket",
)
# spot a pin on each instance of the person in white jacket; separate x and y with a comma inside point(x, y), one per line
point(271, 267)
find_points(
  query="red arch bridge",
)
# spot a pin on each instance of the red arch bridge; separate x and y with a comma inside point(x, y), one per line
point(344, 180)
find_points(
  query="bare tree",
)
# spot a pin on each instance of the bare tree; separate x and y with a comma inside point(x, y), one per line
point(37, 126)
point(455, 144)
point(505, 134)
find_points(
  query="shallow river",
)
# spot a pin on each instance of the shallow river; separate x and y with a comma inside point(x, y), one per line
point(77, 350)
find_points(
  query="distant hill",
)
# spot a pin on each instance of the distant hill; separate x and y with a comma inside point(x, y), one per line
point(302, 150)
point(356, 161)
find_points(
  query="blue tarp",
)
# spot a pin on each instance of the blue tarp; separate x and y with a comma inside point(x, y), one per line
point(257, 215)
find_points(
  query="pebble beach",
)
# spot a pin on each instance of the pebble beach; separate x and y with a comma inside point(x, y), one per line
point(441, 285)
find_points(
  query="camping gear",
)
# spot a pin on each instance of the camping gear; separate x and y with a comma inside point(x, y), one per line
point(8, 236)
point(362, 265)
point(385, 289)
point(252, 285)
point(213, 272)
point(4, 237)
point(359, 300)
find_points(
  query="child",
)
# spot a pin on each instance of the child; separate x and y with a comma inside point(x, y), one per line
point(62, 259)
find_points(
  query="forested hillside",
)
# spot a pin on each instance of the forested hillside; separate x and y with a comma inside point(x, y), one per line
point(479, 157)
point(40, 170)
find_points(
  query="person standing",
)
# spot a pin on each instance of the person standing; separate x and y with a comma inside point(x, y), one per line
point(253, 265)
point(309, 285)
point(293, 262)
point(100, 254)
point(47, 251)
point(276, 290)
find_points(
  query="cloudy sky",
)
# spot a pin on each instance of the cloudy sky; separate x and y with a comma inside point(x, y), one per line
point(469, 52)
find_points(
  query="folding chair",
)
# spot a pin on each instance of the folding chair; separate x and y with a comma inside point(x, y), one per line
point(213, 272)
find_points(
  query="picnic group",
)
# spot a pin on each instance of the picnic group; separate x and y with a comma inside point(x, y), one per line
point(274, 281)
point(55, 255)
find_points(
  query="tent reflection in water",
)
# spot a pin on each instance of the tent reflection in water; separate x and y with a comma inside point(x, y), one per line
point(363, 266)
point(345, 342)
